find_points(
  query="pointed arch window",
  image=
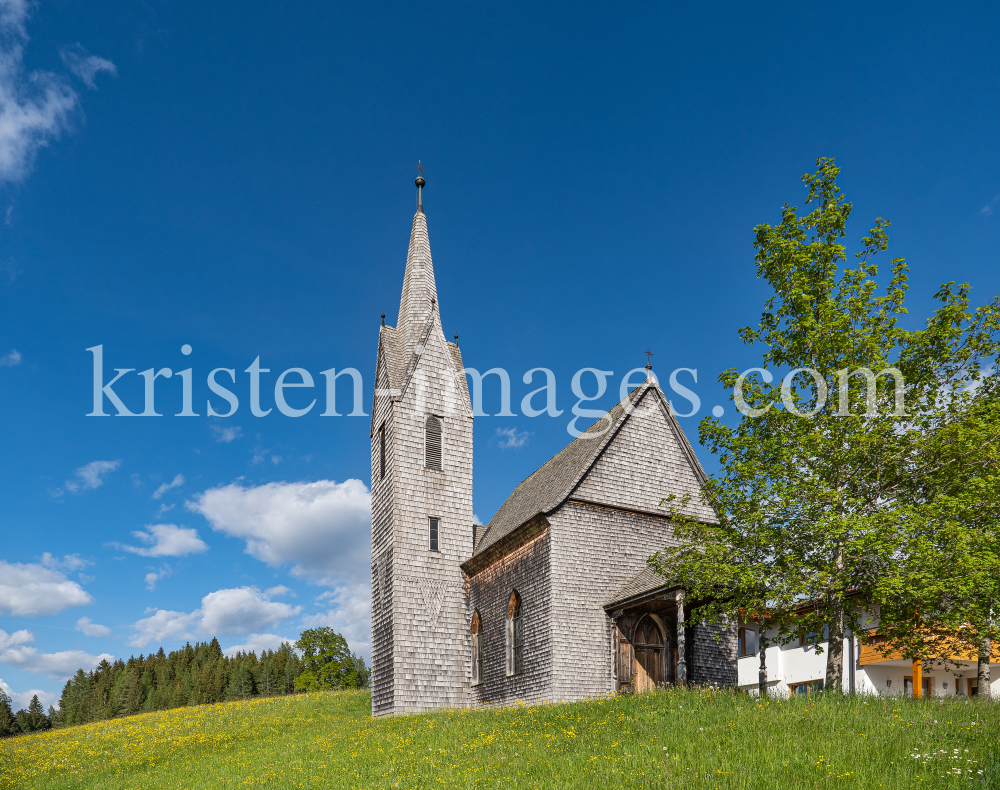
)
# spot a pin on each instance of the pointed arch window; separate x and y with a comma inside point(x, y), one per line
point(515, 635)
point(477, 649)
point(432, 443)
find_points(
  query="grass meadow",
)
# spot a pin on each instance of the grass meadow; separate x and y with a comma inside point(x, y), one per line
point(682, 738)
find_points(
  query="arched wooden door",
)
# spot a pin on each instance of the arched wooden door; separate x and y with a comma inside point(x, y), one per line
point(648, 645)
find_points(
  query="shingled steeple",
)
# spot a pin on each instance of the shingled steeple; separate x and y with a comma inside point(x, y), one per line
point(419, 300)
point(421, 501)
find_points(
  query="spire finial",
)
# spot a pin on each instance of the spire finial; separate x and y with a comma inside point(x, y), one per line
point(383, 319)
point(649, 359)
point(456, 338)
point(420, 186)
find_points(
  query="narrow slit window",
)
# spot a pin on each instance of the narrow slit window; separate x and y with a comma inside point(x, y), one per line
point(477, 649)
point(434, 524)
point(515, 636)
point(381, 452)
point(432, 443)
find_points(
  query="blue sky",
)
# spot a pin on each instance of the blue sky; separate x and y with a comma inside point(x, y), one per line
point(239, 178)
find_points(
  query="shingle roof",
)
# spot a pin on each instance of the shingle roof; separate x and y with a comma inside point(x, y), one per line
point(456, 358)
point(552, 482)
point(395, 363)
point(644, 582)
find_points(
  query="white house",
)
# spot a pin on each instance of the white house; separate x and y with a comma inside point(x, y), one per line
point(799, 667)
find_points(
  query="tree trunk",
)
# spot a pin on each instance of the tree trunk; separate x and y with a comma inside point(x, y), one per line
point(985, 647)
point(762, 672)
point(835, 646)
point(835, 643)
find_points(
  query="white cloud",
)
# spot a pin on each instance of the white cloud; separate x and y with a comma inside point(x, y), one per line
point(86, 66)
point(91, 475)
point(8, 641)
point(11, 359)
point(989, 207)
point(224, 434)
point(164, 509)
point(322, 529)
point(29, 589)
point(155, 576)
point(35, 107)
point(177, 481)
point(511, 438)
point(163, 626)
point(258, 643)
point(60, 666)
point(21, 699)
point(88, 628)
point(350, 615)
point(243, 610)
point(166, 540)
point(477, 520)
point(69, 562)
point(279, 590)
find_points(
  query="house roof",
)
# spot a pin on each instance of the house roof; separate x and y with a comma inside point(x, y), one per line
point(644, 582)
point(395, 362)
point(552, 483)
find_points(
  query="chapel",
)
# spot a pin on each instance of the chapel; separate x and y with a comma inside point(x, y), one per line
point(550, 601)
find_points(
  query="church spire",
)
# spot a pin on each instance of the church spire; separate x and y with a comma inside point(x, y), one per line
point(419, 300)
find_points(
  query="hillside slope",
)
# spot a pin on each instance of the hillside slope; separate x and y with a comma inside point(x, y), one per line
point(680, 738)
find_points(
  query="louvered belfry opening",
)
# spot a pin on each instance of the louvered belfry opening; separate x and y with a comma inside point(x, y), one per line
point(432, 443)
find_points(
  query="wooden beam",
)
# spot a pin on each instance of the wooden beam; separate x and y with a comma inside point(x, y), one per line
point(918, 678)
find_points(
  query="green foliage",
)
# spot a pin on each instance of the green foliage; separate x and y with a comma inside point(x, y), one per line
point(192, 675)
point(818, 501)
point(671, 739)
point(8, 723)
point(33, 719)
point(328, 662)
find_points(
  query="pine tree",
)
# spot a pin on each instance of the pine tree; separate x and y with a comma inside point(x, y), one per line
point(37, 720)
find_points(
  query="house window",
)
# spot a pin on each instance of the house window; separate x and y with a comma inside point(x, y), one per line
point(747, 642)
point(808, 638)
point(477, 649)
point(515, 636)
point(432, 443)
point(926, 686)
point(434, 524)
point(381, 452)
point(809, 687)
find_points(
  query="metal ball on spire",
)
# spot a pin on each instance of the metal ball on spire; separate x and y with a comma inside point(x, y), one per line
point(420, 186)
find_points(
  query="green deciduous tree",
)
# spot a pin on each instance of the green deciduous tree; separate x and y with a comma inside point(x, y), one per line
point(8, 723)
point(939, 601)
point(814, 476)
point(328, 662)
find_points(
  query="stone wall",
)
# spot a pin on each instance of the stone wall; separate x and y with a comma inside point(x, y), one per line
point(431, 644)
point(382, 541)
point(526, 570)
point(712, 662)
point(594, 551)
